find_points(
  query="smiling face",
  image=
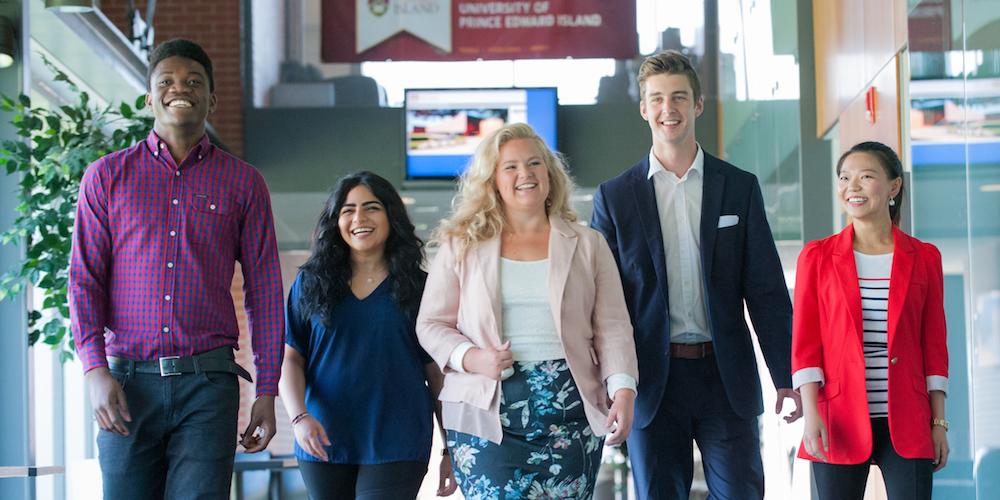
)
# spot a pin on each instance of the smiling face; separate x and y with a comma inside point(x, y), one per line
point(522, 177)
point(179, 93)
point(363, 222)
point(864, 187)
point(670, 108)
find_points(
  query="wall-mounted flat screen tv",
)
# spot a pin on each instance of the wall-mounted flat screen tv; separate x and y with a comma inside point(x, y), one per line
point(444, 126)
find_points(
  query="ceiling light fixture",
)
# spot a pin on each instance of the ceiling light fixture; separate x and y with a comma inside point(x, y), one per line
point(7, 38)
point(70, 6)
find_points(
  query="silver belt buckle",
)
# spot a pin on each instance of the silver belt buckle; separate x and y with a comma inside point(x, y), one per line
point(167, 366)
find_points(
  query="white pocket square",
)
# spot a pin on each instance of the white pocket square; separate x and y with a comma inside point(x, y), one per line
point(728, 220)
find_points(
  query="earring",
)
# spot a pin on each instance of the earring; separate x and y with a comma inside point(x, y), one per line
point(548, 202)
point(892, 202)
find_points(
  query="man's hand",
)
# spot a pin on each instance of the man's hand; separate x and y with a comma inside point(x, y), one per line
point(108, 400)
point(490, 362)
point(794, 396)
point(621, 412)
point(262, 426)
point(446, 481)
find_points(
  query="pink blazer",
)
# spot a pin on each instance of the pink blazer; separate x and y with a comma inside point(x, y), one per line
point(827, 333)
point(461, 302)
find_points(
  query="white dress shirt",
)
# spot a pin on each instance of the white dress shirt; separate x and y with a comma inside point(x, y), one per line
point(678, 203)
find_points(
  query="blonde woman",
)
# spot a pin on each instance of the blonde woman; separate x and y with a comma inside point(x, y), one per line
point(525, 314)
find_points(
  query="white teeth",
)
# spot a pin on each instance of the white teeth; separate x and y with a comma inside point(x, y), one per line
point(856, 200)
point(362, 230)
point(525, 186)
point(180, 104)
point(671, 122)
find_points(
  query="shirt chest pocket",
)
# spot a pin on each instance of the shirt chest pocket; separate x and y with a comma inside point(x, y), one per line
point(209, 220)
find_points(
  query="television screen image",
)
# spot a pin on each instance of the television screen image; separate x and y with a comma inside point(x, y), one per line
point(445, 126)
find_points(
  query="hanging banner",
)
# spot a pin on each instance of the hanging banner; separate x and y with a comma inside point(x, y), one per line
point(463, 30)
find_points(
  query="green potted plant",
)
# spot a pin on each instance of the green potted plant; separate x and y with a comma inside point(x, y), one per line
point(57, 146)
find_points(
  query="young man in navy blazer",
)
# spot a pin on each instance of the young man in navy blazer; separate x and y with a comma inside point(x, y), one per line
point(692, 242)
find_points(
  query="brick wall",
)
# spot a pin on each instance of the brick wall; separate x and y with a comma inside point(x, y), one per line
point(282, 443)
point(215, 25)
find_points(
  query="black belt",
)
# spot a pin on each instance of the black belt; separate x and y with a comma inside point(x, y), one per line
point(216, 360)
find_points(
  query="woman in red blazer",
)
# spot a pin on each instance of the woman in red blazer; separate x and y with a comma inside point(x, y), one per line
point(869, 352)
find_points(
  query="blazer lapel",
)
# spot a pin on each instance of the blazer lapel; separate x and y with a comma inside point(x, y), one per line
point(847, 274)
point(562, 245)
point(899, 279)
point(711, 208)
point(488, 259)
point(649, 220)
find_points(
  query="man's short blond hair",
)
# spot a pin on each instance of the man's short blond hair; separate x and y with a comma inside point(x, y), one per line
point(669, 62)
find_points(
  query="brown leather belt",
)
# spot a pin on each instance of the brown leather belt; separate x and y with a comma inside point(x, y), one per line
point(691, 351)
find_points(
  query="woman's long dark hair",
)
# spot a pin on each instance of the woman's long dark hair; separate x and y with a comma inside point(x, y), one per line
point(326, 276)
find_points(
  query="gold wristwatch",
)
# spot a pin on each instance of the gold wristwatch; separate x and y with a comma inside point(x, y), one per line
point(940, 421)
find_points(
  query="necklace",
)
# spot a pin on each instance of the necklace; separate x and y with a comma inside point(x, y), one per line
point(372, 277)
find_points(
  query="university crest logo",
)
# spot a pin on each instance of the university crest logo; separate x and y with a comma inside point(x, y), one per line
point(378, 21)
point(378, 7)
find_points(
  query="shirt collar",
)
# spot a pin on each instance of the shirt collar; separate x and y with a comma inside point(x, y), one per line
point(154, 143)
point(698, 165)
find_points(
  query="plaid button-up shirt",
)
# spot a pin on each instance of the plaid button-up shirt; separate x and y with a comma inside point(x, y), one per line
point(154, 252)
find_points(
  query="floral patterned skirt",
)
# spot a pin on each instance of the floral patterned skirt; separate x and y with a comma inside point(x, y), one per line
point(548, 449)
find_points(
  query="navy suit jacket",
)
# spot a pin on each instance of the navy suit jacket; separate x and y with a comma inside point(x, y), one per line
point(739, 262)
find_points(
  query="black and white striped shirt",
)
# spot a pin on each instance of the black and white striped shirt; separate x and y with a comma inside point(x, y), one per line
point(873, 278)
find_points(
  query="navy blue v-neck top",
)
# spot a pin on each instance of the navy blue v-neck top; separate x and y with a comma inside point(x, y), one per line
point(365, 379)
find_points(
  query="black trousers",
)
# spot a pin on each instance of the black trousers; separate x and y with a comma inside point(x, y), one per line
point(388, 481)
point(905, 478)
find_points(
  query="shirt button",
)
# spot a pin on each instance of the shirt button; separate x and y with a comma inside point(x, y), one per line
point(687, 283)
point(177, 173)
point(199, 157)
point(893, 360)
point(173, 233)
point(684, 250)
point(156, 153)
point(681, 217)
point(166, 330)
point(170, 265)
point(689, 315)
point(175, 201)
point(166, 297)
point(211, 207)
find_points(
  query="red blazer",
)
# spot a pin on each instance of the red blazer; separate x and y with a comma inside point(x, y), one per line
point(827, 334)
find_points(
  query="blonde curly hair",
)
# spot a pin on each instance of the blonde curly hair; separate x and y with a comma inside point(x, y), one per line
point(477, 212)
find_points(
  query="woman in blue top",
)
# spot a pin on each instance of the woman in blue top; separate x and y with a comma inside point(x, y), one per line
point(359, 389)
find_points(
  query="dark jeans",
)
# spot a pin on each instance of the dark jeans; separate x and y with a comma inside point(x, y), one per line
point(905, 478)
point(695, 408)
point(182, 438)
point(389, 481)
